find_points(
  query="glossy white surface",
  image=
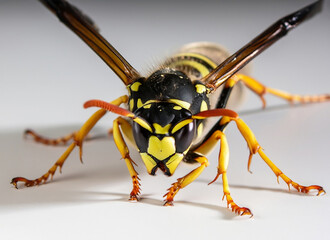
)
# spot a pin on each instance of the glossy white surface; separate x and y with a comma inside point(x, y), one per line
point(47, 73)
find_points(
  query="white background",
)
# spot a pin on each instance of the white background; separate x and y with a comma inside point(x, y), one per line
point(47, 73)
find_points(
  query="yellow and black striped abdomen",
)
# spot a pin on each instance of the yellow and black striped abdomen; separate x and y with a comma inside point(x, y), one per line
point(194, 65)
point(196, 60)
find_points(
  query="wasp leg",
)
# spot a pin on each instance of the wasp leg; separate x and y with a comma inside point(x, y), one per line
point(78, 141)
point(261, 90)
point(123, 149)
point(222, 169)
point(47, 141)
point(187, 179)
point(254, 148)
point(279, 173)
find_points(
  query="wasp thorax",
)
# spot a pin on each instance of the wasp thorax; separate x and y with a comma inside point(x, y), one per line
point(172, 132)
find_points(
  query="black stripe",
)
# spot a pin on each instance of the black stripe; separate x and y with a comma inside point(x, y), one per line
point(194, 59)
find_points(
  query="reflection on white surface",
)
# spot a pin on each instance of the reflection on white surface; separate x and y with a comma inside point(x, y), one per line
point(47, 73)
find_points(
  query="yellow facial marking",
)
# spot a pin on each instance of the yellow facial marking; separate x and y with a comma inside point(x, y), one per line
point(181, 103)
point(200, 130)
point(177, 108)
point(181, 124)
point(200, 88)
point(142, 123)
point(139, 103)
point(151, 101)
point(204, 106)
point(135, 86)
point(161, 149)
point(131, 104)
point(148, 162)
point(161, 130)
point(174, 161)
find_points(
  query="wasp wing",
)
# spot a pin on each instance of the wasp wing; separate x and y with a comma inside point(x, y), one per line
point(85, 28)
point(244, 55)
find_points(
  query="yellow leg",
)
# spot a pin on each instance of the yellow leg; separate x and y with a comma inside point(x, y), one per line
point(123, 149)
point(78, 140)
point(255, 148)
point(184, 181)
point(261, 90)
point(279, 173)
point(222, 170)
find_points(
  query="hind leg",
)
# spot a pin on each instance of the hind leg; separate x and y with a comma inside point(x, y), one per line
point(78, 141)
point(259, 89)
point(48, 141)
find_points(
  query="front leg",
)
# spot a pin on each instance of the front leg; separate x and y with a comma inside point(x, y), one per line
point(187, 179)
point(123, 149)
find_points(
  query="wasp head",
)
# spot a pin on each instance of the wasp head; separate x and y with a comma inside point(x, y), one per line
point(169, 137)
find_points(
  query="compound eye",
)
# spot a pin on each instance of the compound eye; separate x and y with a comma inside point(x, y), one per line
point(184, 135)
point(141, 136)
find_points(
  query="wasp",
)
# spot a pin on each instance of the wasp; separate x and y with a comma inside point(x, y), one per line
point(167, 114)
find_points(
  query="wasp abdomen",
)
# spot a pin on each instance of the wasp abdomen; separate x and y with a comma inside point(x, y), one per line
point(198, 59)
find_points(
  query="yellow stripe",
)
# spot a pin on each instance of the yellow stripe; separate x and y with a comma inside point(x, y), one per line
point(200, 67)
point(148, 162)
point(147, 106)
point(139, 103)
point(181, 103)
point(135, 86)
point(200, 88)
point(174, 161)
point(196, 55)
point(142, 123)
point(181, 125)
point(131, 104)
point(161, 130)
point(151, 101)
point(203, 106)
point(200, 130)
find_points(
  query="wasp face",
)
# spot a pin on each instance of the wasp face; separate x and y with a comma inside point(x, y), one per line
point(172, 133)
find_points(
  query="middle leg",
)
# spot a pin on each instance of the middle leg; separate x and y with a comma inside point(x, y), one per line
point(222, 169)
point(254, 148)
